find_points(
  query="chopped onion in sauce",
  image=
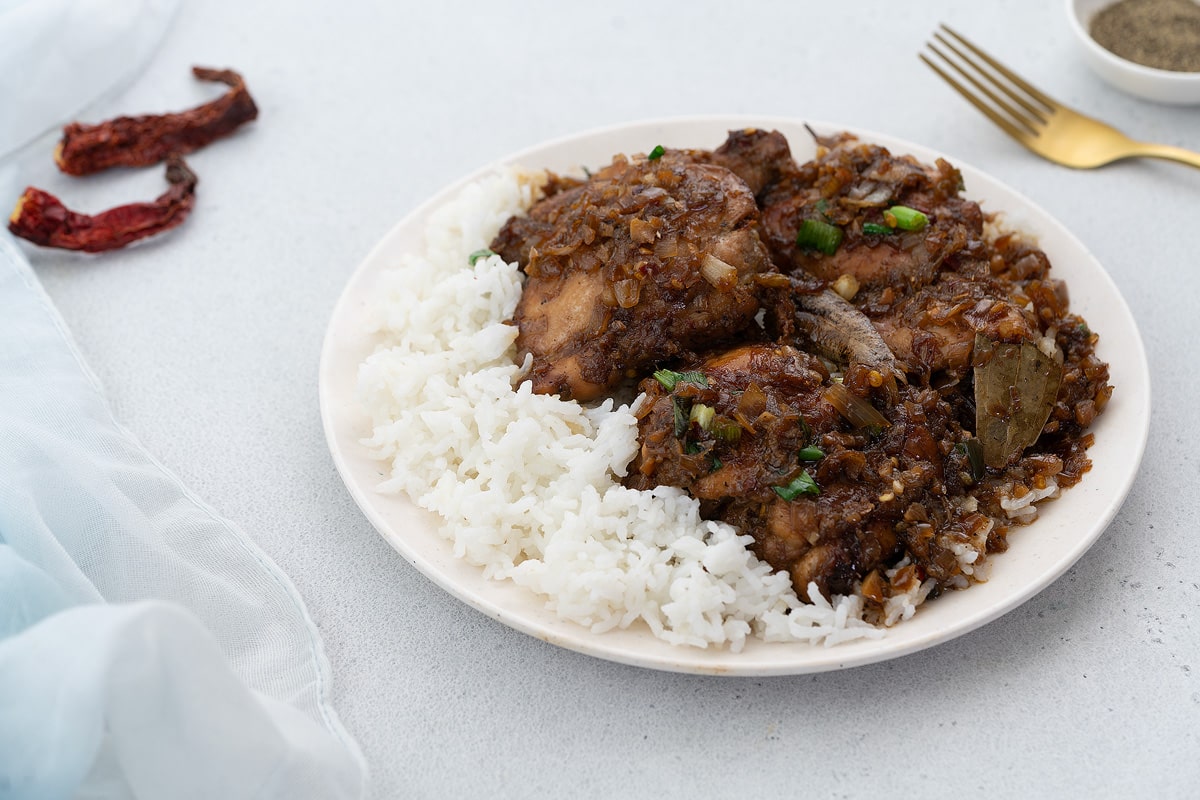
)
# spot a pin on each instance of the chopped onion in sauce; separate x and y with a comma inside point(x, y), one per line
point(721, 275)
point(627, 292)
point(846, 285)
point(857, 411)
point(641, 231)
point(666, 247)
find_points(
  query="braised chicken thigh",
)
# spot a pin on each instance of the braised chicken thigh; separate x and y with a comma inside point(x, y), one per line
point(647, 260)
point(755, 435)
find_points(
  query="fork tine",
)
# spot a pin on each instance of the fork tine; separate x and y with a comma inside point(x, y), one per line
point(1038, 114)
point(1019, 134)
point(1016, 115)
point(1050, 104)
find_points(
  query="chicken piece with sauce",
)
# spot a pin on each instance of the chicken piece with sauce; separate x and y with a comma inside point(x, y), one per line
point(924, 280)
point(758, 437)
point(852, 186)
point(649, 259)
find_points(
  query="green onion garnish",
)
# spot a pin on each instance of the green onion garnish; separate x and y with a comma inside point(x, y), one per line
point(716, 464)
point(908, 219)
point(702, 415)
point(680, 410)
point(726, 430)
point(811, 453)
point(478, 254)
point(803, 484)
point(822, 206)
point(819, 235)
point(668, 378)
point(691, 448)
point(877, 229)
point(656, 153)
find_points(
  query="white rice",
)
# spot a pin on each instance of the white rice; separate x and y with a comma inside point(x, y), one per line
point(528, 486)
point(1023, 508)
point(902, 605)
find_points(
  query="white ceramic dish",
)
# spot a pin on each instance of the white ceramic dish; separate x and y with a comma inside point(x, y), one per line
point(1160, 85)
point(1038, 554)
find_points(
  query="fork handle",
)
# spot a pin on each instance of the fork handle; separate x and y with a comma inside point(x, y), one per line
point(1169, 153)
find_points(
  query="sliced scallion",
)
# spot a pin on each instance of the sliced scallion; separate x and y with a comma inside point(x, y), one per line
point(819, 235)
point(656, 153)
point(726, 430)
point(702, 415)
point(478, 254)
point(669, 378)
point(681, 413)
point(875, 229)
point(802, 484)
point(812, 453)
point(907, 219)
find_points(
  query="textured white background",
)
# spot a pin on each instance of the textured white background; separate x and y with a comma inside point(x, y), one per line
point(208, 339)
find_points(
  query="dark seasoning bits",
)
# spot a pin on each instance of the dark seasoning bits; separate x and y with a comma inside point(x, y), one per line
point(1163, 34)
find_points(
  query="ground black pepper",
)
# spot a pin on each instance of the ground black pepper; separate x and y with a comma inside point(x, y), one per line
point(1164, 34)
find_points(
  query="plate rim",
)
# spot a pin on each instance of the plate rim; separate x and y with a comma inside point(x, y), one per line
point(688, 659)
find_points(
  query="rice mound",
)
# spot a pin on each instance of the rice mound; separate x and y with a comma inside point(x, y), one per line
point(528, 486)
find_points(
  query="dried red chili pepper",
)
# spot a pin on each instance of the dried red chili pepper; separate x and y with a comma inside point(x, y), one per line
point(41, 217)
point(145, 140)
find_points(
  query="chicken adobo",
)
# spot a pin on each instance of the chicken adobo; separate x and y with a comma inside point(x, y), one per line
point(842, 358)
point(648, 260)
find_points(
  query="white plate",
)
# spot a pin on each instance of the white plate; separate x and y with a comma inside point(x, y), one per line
point(1037, 554)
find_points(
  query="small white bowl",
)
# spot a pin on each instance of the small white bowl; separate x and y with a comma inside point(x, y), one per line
point(1160, 85)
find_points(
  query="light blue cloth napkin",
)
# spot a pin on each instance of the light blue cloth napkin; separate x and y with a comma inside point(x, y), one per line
point(147, 647)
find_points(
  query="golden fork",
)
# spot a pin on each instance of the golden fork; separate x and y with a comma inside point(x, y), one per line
point(1044, 125)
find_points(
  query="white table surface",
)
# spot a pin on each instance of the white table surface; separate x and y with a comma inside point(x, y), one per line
point(208, 340)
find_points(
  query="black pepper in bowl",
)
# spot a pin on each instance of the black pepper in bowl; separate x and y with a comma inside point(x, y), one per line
point(1163, 34)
